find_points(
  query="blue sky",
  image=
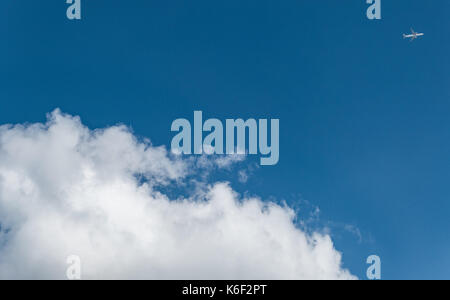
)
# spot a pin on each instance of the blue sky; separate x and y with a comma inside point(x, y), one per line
point(364, 130)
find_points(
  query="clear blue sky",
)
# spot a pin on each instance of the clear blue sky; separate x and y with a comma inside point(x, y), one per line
point(364, 114)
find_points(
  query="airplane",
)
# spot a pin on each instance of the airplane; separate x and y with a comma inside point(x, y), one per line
point(414, 35)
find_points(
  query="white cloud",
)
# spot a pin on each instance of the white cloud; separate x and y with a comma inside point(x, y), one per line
point(67, 190)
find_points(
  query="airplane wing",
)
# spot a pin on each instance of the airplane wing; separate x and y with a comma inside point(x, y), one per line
point(412, 31)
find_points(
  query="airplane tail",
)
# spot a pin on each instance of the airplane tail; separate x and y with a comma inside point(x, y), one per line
point(404, 36)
